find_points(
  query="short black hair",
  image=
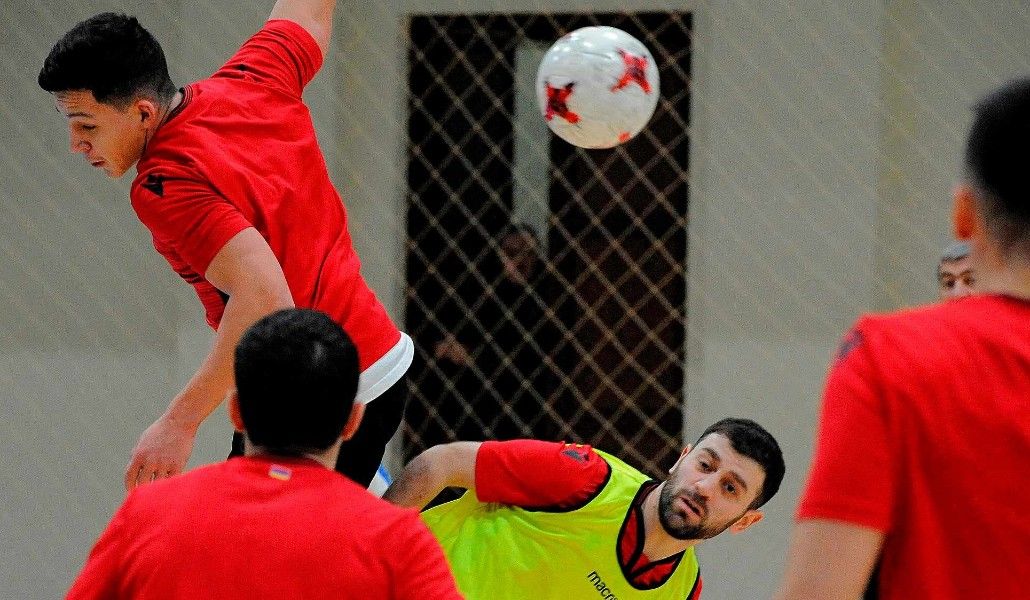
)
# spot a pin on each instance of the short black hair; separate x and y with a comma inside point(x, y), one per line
point(111, 55)
point(296, 379)
point(753, 441)
point(997, 155)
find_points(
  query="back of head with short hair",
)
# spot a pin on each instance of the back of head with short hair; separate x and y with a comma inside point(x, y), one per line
point(111, 55)
point(997, 155)
point(753, 441)
point(296, 378)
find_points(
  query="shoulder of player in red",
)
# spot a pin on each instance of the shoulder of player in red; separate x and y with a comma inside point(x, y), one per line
point(539, 475)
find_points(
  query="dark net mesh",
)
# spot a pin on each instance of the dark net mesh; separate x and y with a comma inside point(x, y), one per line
point(569, 325)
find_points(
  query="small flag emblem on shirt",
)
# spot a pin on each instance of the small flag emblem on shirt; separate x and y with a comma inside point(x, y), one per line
point(279, 472)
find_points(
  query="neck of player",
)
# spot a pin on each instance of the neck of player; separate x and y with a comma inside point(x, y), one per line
point(996, 273)
point(658, 544)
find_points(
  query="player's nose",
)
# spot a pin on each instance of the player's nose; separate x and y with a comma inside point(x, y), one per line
point(79, 145)
point(707, 485)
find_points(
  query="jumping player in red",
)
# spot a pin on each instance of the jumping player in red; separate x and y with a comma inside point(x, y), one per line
point(921, 460)
point(234, 188)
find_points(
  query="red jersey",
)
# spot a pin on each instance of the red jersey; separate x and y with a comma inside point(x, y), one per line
point(925, 436)
point(559, 476)
point(240, 151)
point(263, 527)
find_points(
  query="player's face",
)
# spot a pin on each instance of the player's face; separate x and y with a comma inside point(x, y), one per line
point(955, 279)
point(109, 137)
point(710, 489)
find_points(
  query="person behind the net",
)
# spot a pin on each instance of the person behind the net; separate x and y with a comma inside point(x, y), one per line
point(277, 522)
point(955, 277)
point(233, 186)
point(921, 459)
point(549, 520)
point(498, 350)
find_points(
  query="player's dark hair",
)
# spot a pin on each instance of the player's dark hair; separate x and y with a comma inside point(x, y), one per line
point(296, 378)
point(753, 441)
point(111, 55)
point(997, 155)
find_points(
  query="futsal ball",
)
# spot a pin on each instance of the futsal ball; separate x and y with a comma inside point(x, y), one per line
point(597, 87)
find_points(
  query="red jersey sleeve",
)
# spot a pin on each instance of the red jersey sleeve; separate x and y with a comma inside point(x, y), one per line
point(420, 569)
point(282, 55)
point(853, 471)
point(186, 216)
point(537, 474)
point(101, 576)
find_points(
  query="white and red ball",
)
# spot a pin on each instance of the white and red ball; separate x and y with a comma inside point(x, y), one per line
point(597, 87)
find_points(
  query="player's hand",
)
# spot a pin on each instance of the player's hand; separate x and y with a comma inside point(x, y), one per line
point(162, 451)
point(452, 350)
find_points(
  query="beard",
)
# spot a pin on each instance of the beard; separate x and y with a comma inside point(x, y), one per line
point(675, 523)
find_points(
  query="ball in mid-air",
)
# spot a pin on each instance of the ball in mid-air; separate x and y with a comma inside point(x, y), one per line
point(597, 87)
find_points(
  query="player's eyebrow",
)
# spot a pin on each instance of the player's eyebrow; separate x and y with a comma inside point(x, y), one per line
point(733, 474)
point(73, 114)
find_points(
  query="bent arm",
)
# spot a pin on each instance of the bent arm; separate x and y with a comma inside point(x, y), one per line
point(429, 473)
point(315, 16)
point(829, 560)
point(248, 272)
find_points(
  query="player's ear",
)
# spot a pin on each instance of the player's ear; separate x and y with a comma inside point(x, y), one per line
point(234, 411)
point(147, 110)
point(747, 520)
point(963, 212)
point(351, 427)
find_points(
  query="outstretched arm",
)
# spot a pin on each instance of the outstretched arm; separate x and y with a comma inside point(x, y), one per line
point(249, 273)
point(829, 560)
point(316, 16)
point(443, 466)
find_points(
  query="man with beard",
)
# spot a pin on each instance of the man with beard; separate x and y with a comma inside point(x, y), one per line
point(553, 520)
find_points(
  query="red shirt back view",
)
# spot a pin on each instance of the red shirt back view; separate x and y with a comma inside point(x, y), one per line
point(925, 436)
point(240, 151)
point(263, 527)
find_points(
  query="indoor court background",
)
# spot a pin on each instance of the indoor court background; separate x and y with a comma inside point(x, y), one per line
point(798, 174)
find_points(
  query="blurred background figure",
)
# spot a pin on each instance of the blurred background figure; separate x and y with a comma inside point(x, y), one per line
point(495, 360)
point(955, 277)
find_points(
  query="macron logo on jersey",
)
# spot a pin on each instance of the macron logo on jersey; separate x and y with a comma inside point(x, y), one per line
point(576, 451)
point(851, 341)
point(155, 183)
point(600, 586)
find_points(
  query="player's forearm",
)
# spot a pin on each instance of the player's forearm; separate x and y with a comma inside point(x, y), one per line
point(829, 560)
point(440, 467)
point(213, 380)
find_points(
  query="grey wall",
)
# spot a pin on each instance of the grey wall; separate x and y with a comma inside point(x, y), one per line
point(782, 233)
point(825, 137)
